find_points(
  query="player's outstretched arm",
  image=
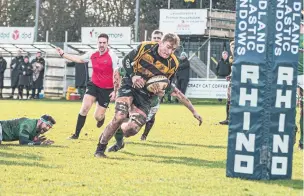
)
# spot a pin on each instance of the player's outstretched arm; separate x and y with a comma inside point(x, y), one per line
point(24, 137)
point(184, 100)
point(74, 58)
point(116, 83)
point(116, 79)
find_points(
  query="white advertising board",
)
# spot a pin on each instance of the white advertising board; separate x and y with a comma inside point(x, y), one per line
point(117, 35)
point(183, 21)
point(211, 89)
point(17, 35)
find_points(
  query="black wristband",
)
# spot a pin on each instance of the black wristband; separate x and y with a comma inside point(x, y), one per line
point(131, 75)
point(61, 54)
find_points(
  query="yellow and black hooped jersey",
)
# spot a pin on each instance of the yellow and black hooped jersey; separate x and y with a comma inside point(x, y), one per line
point(145, 61)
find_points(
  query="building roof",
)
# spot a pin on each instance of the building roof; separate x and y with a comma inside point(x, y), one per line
point(12, 49)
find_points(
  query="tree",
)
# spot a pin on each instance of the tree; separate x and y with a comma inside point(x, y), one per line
point(226, 4)
point(58, 16)
point(53, 17)
point(3, 12)
point(20, 13)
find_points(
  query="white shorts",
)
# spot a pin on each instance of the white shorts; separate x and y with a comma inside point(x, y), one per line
point(152, 112)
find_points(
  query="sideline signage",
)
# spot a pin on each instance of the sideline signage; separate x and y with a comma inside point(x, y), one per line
point(209, 89)
point(263, 96)
point(117, 35)
point(183, 21)
point(17, 35)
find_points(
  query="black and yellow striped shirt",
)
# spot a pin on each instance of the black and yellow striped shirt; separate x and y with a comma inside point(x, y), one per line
point(145, 61)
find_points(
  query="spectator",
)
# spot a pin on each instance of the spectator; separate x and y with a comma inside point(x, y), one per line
point(2, 69)
point(182, 75)
point(15, 64)
point(38, 65)
point(228, 78)
point(81, 76)
point(25, 72)
point(223, 68)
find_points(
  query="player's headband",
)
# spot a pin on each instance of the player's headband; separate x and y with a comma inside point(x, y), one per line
point(46, 122)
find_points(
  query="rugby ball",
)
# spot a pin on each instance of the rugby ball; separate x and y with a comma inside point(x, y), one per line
point(161, 82)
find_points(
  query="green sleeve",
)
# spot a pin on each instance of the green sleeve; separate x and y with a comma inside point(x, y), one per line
point(170, 89)
point(122, 72)
point(129, 59)
point(24, 135)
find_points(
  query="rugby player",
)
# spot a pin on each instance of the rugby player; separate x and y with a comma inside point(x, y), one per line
point(147, 60)
point(103, 87)
point(27, 131)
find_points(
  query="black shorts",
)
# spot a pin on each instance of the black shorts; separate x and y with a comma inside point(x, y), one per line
point(141, 97)
point(101, 94)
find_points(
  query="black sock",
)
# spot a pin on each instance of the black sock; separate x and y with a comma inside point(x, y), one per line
point(119, 136)
point(80, 122)
point(20, 89)
point(27, 91)
point(149, 126)
point(227, 111)
point(101, 147)
point(13, 91)
point(33, 92)
point(39, 91)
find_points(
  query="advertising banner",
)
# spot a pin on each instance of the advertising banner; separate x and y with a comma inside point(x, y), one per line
point(263, 96)
point(16, 35)
point(117, 35)
point(183, 21)
point(209, 89)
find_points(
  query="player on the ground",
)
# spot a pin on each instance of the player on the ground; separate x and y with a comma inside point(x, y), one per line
point(27, 131)
point(102, 89)
point(147, 60)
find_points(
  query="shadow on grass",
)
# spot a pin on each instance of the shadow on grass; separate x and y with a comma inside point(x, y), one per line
point(8, 152)
point(3, 146)
point(293, 184)
point(181, 160)
point(148, 144)
point(188, 144)
point(20, 156)
point(20, 163)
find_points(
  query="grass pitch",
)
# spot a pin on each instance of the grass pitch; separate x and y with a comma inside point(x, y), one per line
point(179, 157)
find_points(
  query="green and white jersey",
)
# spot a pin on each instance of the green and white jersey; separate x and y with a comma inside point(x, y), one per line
point(122, 72)
point(22, 129)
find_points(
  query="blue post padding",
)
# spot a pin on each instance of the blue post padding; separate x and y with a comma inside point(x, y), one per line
point(263, 93)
